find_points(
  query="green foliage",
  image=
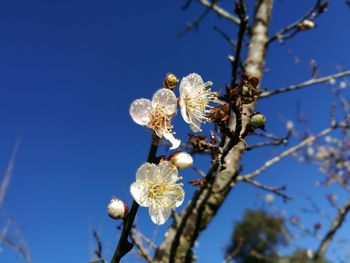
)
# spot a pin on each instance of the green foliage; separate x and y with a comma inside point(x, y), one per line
point(257, 236)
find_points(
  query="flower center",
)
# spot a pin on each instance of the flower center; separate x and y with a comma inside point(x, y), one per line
point(164, 193)
point(159, 120)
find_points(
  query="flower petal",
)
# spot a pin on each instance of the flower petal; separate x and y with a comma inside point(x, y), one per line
point(183, 109)
point(146, 172)
point(139, 193)
point(167, 170)
point(140, 111)
point(180, 197)
point(159, 215)
point(191, 83)
point(174, 142)
point(165, 99)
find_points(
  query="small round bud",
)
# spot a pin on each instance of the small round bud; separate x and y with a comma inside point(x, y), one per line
point(307, 24)
point(117, 209)
point(342, 84)
point(269, 198)
point(258, 120)
point(170, 81)
point(181, 160)
point(290, 126)
point(246, 91)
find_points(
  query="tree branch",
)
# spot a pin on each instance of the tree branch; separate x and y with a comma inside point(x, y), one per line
point(221, 12)
point(336, 224)
point(304, 84)
point(286, 153)
point(124, 246)
point(296, 27)
point(274, 190)
point(139, 245)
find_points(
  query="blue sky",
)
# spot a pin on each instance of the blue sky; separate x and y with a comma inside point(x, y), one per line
point(70, 69)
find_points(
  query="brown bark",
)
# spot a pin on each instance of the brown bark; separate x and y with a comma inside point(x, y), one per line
point(179, 239)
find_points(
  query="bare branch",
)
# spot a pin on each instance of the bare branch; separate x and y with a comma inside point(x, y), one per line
point(305, 84)
point(221, 12)
point(8, 174)
point(124, 246)
point(225, 36)
point(274, 190)
point(296, 27)
point(98, 251)
point(139, 245)
point(286, 153)
point(336, 224)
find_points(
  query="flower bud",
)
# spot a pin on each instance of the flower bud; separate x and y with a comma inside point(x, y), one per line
point(306, 24)
point(269, 198)
point(170, 81)
point(181, 160)
point(117, 209)
point(258, 120)
point(290, 126)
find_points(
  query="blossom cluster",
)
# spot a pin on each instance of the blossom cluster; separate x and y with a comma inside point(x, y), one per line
point(156, 185)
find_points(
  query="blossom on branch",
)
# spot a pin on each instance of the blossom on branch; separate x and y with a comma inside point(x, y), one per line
point(156, 188)
point(194, 100)
point(157, 114)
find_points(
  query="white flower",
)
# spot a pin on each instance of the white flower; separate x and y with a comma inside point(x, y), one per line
point(117, 209)
point(157, 114)
point(156, 188)
point(194, 100)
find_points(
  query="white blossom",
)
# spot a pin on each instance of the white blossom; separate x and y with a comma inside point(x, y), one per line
point(194, 100)
point(156, 187)
point(157, 114)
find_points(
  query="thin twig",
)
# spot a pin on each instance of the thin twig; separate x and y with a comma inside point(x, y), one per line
point(274, 190)
point(221, 12)
point(139, 245)
point(9, 171)
point(194, 24)
point(305, 84)
point(225, 36)
point(295, 27)
point(286, 153)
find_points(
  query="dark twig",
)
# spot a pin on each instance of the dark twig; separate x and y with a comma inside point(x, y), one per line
point(98, 250)
point(195, 24)
point(124, 246)
point(274, 190)
point(296, 27)
point(225, 36)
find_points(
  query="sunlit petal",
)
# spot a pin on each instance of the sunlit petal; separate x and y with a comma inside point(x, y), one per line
point(166, 100)
point(140, 111)
point(146, 171)
point(168, 171)
point(159, 215)
point(174, 142)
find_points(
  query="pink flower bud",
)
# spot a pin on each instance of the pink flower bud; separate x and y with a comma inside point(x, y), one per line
point(117, 209)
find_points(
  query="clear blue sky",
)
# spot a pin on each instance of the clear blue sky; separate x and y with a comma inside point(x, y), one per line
point(70, 69)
